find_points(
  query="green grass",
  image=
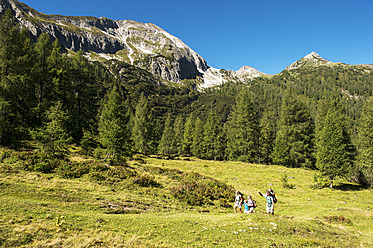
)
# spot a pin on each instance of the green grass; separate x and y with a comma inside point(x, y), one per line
point(122, 214)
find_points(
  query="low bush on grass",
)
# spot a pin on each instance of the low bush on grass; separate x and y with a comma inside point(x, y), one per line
point(146, 180)
point(198, 190)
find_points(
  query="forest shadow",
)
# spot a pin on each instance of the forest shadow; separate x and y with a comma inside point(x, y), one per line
point(349, 187)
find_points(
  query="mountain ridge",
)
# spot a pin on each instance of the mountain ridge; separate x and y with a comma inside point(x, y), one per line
point(144, 45)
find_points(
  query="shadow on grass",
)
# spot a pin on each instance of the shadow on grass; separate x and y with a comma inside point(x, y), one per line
point(349, 187)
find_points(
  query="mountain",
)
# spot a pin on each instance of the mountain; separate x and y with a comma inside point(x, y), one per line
point(144, 45)
point(312, 59)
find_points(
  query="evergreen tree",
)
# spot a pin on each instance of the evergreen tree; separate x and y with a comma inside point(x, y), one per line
point(16, 62)
point(188, 135)
point(53, 136)
point(142, 129)
point(178, 134)
point(113, 130)
point(267, 136)
point(365, 145)
point(6, 127)
point(243, 129)
point(43, 48)
point(294, 144)
point(334, 156)
point(82, 97)
point(212, 141)
point(166, 144)
point(197, 138)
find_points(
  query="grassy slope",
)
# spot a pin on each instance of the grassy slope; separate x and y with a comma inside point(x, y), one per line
point(30, 203)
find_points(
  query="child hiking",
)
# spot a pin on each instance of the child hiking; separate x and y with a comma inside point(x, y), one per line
point(270, 202)
point(238, 199)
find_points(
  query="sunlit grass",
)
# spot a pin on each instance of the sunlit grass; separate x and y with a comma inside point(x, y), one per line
point(32, 203)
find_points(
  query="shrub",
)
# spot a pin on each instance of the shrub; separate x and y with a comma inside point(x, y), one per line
point(320, 180)
point(145, 180)
point(73, 169)
point(198, 190)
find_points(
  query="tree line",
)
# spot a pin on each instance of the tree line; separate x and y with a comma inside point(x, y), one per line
point(319, 118)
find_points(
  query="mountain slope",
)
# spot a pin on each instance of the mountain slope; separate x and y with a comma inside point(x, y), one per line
point(142, 44)
point(312, 59)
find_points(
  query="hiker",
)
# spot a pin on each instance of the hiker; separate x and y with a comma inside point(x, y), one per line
point(251, 204)
point(246, 205)
point(269, 205)
point(238, 199)
point(272, 193)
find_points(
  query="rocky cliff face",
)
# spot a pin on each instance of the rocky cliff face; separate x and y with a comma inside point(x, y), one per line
point(142, 44)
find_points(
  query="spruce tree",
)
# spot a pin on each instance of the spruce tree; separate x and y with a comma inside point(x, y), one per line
point(365, 145)
point(188, 135)
point(6, 127)
point(294, 144)
point(212, 141)
point(113, 131)
point(243, 129)
point(335, 153)
point(178, 134)
point(197, 138)
point(142, 130)
point(53, 136)
point(267, 136)
point(166, 144)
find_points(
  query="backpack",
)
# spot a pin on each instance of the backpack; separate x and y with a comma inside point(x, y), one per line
point(274, 198)
point(272, 193)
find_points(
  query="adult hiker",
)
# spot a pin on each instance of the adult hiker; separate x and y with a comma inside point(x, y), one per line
point(269, 205)
point(238, 199)
point(272, 193)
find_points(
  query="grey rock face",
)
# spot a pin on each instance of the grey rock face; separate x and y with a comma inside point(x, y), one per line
point(142, 44)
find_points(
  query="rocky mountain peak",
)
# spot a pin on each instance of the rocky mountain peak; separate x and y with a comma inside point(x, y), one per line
point(312, 59)
point(144, 45)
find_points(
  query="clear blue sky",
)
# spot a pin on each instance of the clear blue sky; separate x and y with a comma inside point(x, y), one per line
point(267, 35)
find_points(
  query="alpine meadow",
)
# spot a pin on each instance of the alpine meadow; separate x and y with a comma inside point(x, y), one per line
point(117, 134)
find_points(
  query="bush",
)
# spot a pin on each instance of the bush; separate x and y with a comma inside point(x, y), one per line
point(198, 190)
point(73, 169)
point(145, 180)
point(320, 180)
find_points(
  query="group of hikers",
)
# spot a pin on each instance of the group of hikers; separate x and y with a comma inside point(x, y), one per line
point(250, 204)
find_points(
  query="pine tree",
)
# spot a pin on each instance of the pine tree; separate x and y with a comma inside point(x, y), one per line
point(294, 144)
point(43, 48)
point(188, 135)
point(212, 145)
point(113, 130)
point(365, 145)
point(53, 136)
point(243, 129)
point(166, 144)
point(16, 73)
point(334, 156)
point(6, 127)
point(142, 130)
point(267, 136)
point(178, 134)
point(197, 138)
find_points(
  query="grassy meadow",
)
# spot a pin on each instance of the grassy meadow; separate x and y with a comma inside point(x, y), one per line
point(94, 210)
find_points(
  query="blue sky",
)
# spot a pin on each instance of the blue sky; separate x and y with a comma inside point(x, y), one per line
point(267, 35)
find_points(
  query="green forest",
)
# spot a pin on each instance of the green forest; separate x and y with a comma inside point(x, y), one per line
point(316, 117)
